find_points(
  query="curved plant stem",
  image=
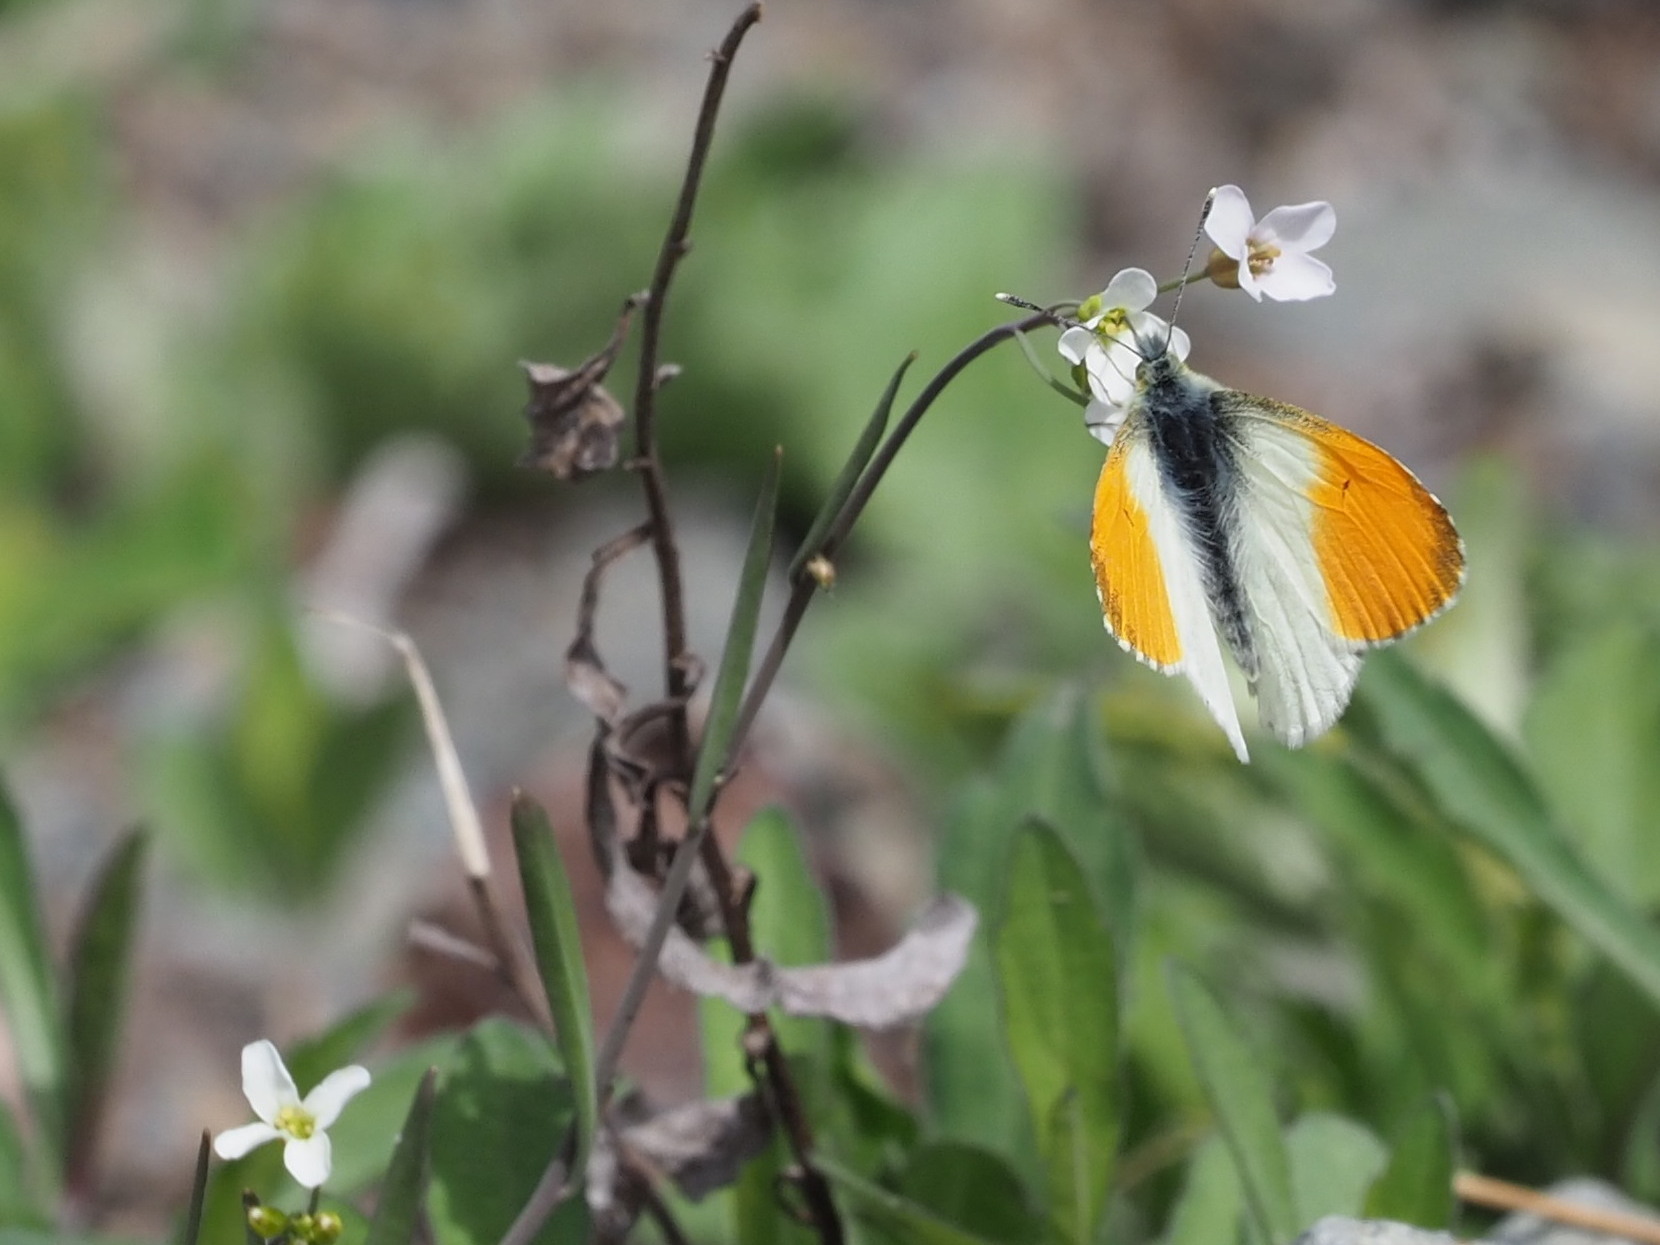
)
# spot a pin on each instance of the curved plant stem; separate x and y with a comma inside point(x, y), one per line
point(805, 588)
point(676, 670)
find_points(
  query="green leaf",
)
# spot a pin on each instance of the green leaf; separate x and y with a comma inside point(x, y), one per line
point(1481, 786)
point(1388, 854)
point(1333, 1163)
point(1417, 1185)
point(100, 961)
point(904, 1218)
point(842, 488)
point(398, 1209)
point(1236, 1085)
point(504, 1110)
point(21, 1198)
point(1049, 769)
point(1057, 977)
point(551, 910)
point(26, 982)
point(367, 1131)
point(863, 1120)
point(972, 1189)
point(727, 693)
point(1590, 729)
point(347, 1039)
point(1207, 1212)
point(790, 925)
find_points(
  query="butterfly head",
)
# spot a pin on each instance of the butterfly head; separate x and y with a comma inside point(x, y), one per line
point(1160, 365)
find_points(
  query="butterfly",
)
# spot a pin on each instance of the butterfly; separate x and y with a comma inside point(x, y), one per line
point(1226, 520)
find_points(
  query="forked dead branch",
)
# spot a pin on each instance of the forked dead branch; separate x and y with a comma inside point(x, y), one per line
point(632, 767)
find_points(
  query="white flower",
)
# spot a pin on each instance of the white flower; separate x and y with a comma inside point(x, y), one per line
point(1270, 256)
point(282, 1114)
point(1109, 343)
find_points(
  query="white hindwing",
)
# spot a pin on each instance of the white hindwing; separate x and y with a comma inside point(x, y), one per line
point(1305, 671)
point(1184, 584)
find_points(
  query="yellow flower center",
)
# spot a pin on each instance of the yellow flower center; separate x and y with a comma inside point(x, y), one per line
point(297, 1122)
point(1112, 324)
point(1262, 256)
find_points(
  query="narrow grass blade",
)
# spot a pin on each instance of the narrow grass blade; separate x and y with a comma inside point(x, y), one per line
point(1417, 1186)
point(842, 489)
point(908, 1220)
point(1238, 1090)
point(1481, 786)
point(1208, 1209)
point(100, 963)
point(551, 910)
point(398, 1212)
point(728, 691)
point(198, 1192)
point(26, 993)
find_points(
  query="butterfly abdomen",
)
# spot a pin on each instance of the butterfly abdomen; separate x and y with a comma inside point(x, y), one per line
point(1198, 463)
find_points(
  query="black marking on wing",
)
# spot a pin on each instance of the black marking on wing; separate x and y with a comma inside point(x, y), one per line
point(1198, 464)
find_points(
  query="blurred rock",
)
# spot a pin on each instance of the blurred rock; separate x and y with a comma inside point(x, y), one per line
point(1338, 1230)
point(1581, 1191)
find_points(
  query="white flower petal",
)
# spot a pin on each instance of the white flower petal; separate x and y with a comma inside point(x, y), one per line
point(1132, 289)
point(233, 1143)
point(1073, 343)
point(1299, 227)
point(1249, 283)
point(1103, 420)
point(309, 1161)
point(265, 1081)
point(1112, 372)
point(1295, 277)
point(333, 1092)
point(1230, 221)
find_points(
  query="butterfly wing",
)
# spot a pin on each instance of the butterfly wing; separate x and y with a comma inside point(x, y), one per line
point(1338, 549)
point(1147, 573)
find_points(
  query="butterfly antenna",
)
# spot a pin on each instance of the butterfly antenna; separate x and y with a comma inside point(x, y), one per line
point(1204, 215)
point(1054, 311)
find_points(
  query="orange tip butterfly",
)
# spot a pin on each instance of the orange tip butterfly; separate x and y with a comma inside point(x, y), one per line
point(1225, 520)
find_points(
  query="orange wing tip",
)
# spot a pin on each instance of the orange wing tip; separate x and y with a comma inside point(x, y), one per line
point(1152, 663)
point(1389, 556)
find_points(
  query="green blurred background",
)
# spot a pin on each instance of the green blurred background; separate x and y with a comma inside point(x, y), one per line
point(262, 264)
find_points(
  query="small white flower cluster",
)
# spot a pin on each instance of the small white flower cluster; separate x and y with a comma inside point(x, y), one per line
point(1115, 331)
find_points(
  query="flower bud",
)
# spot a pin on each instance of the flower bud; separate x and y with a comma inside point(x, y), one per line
point(267, 1222)
point(326, 1227)
point(823, 571)
point(1222, 270)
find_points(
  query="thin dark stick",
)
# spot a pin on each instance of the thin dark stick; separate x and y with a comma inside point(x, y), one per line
point(645, 967)
point(647, 461)
point(884, 457)
point(662, 1216)
point(805, 589)
point(198, 1192)
point(544, 1198)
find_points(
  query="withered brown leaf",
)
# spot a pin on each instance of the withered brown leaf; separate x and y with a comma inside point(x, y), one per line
point(575, 423)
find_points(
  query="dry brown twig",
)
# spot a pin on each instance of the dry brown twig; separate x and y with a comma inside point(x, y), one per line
point(644, 774)
point(1495, 1194)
